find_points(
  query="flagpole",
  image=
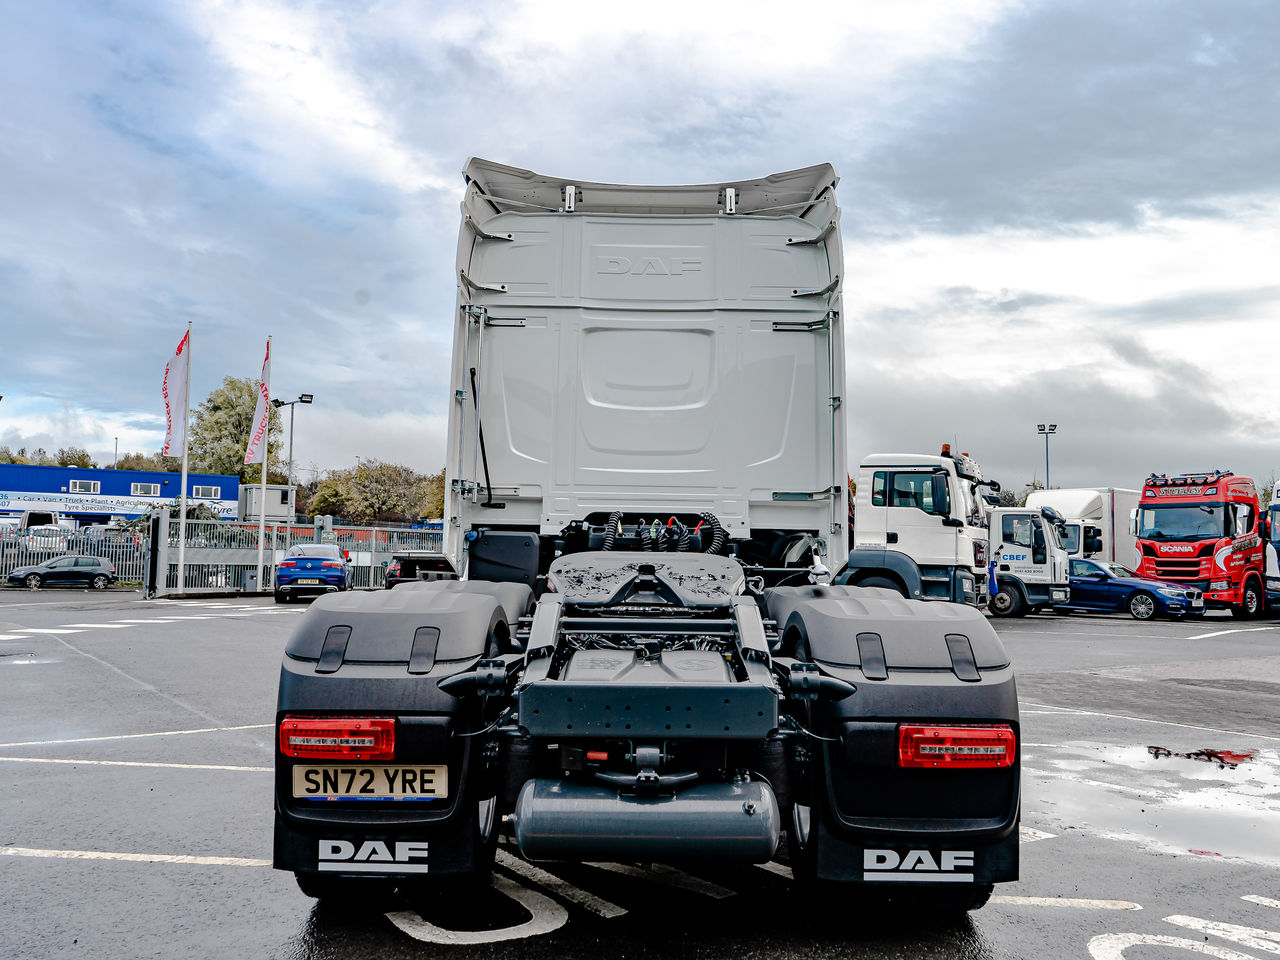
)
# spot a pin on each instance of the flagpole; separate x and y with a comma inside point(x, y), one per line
point(262, 495)
point(182, 497)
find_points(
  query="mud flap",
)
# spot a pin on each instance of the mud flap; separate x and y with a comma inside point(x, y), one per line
point(919, 861)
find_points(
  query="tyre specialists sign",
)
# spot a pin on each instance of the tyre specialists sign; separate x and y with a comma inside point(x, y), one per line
point(16, 502)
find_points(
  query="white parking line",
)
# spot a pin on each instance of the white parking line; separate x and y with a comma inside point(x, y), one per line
point(99, 626)
point(1223, 633)
point(1066, 902)
point(1165, 723)
point(545, 915)
point(135, 736)
point(661, 873)
point(1031, 835)
point(781, 870)
point(137, 763)
point(59, 630)
point(562, 888)
point(133, 857)
point(1262, 901)
point(14, 636)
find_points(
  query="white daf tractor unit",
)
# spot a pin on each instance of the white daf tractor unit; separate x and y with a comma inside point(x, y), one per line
point(1096, 521)
point(639, 653)
point(920, 527)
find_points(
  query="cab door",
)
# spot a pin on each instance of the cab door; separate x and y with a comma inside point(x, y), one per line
point(918, 516)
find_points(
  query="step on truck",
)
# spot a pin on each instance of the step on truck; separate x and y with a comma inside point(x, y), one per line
point(642, 657)
point(1204, 530)
point(920, 526)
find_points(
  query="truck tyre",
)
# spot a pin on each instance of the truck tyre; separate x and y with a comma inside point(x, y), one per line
point(1142, 606)
point(884, 582)
point(1250, 601)
point(1007, 602)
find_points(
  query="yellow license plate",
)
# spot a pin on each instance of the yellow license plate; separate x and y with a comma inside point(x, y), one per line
point(371, 782)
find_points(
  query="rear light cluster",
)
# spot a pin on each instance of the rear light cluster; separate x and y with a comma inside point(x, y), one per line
point(338, 738)
point(961, 747)
point(288, 563)
point(331, 563)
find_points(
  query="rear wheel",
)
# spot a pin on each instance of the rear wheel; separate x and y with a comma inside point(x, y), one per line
point(281, 597)
point(1142, 606)
point(99, 582)
point(884, 582)
point(1250, 602)
point(1007, 602)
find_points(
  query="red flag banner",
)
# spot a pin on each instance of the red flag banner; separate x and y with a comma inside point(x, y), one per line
point(174, 391)
point(257, 448)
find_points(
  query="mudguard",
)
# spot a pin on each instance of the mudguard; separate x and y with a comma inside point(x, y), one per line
point(912, 662)
point(869, 562)
point(383, 654)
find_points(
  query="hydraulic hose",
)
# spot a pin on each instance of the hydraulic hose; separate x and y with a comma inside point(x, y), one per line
point(611, 530)
point(682, 537)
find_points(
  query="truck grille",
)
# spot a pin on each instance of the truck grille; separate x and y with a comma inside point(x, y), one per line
point(1179, 569)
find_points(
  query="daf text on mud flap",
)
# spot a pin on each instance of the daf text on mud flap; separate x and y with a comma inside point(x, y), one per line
point(373, 856)
point(917, 866)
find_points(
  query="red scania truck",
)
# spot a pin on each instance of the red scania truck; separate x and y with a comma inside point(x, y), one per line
point(1203, 529)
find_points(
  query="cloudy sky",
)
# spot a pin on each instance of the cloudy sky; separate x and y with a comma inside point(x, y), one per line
point(1053, 211)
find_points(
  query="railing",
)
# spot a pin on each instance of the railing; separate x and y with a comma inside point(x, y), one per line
point(220, 556)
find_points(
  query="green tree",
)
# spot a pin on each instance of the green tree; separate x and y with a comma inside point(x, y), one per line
point(144, 461)
point(221, 431)
point(74, 457)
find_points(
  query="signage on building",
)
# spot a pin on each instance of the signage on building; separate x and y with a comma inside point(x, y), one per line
point(94, 503)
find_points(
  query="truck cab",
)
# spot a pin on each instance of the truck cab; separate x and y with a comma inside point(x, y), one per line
point(1028, 567)
point(921, 527)
point(1273, 550)
point(1095, 521)
point(1204, 530)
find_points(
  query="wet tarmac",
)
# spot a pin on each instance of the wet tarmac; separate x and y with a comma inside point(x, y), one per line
point(135, 811)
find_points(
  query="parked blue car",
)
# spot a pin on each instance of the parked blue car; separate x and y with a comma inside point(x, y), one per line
point(311, 568)
point(1102, 586)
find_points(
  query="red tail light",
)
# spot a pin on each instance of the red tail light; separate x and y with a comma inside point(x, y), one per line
point(288, 563)
point(960, 747)
point(339, 738)
point(331, 563)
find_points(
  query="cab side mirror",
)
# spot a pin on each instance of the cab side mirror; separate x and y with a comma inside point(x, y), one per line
point(941, 499)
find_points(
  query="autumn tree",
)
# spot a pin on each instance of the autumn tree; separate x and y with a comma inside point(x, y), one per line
point(143, 461)
point(74, 457)
point(221, 429)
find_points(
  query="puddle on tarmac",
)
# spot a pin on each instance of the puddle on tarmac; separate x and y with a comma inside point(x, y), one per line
point(1172, 804)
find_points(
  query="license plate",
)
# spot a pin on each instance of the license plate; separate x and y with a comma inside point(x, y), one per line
point(371, 782)
point(1197, 603)
point(307, 581)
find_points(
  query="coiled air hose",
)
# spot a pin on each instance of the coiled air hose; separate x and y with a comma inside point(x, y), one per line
point(718, 536)
point(611, 528)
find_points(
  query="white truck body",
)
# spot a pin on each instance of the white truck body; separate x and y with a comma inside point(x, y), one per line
point(928, 543)
point(1106, 508)
point(650, 350)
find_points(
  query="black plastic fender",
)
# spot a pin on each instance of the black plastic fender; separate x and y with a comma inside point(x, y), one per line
point(868, 562)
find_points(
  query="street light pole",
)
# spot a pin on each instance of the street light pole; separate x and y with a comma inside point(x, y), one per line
point(1046, 431)
point(302, 398)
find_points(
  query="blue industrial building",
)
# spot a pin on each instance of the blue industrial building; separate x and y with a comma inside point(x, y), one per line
point(90, 495)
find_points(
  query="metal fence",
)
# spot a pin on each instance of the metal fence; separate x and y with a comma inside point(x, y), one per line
point(223, 556)
point(126, 551)
point(220, 556)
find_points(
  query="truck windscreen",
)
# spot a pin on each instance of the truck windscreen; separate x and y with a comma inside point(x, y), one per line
point(1204, 521)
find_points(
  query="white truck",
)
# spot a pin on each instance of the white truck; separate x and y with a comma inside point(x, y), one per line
point(641, 656)
point(1105, 509)
point(1028, 569)
point(920, 526)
